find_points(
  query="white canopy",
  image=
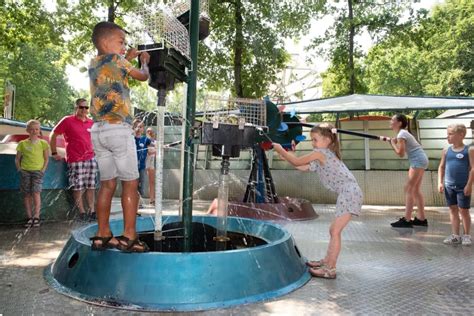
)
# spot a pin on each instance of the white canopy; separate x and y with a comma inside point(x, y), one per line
point(362, 102)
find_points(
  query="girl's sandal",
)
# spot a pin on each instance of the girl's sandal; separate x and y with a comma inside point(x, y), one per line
point(36, 222)
point(323, 272)
point(315, 263)
point(29, 223)
point(102, 243)
point(132, 245)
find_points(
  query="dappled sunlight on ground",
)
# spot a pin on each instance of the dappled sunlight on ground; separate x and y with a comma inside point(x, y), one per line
point(41, 259)
point(378, 268)
point(299, 307)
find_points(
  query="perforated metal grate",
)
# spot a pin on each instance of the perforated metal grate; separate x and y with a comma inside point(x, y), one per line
point(181, 6)
point(233, 110)
point(156, 24)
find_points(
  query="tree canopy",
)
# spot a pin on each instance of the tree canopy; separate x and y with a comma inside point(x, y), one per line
point(414, 54)
point(435, 58)
point(31, 59)
point(245, 49)
point(339, 43)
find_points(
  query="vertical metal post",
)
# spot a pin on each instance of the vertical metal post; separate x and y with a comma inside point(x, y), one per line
point(159, 154)
point(222, 203)
point(366, 146)
point(182, 151)
point(188, 175)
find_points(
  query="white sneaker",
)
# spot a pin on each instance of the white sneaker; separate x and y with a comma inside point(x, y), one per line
point(453, 239)
point(466, 240)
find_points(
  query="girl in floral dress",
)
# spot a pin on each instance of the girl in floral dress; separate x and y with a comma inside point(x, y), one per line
point(325, 160)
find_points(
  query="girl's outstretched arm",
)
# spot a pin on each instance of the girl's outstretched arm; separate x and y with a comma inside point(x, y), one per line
point(303, 168)
point(298, 161)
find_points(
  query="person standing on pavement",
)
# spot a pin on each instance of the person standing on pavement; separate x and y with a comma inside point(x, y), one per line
point(82, 166)
point(142, 142)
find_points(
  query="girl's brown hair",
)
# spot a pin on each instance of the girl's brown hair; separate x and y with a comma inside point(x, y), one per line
point(325, 129)
point(404, 120)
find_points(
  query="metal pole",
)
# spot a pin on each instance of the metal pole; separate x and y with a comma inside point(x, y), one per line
point(366, 146)
point(189, 146)
point(222, 203)
point(159, 153)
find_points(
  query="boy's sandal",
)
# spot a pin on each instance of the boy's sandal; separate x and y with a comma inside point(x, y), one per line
point(36, 222)
point(132, 245)
point(315, 263)
point(104, 243)
point(323, 272)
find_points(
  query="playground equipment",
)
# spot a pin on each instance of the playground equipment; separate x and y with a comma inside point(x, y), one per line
point(195, 263)
point(260, 200)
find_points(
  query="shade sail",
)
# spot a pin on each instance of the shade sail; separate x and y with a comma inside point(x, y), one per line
point(363, 102)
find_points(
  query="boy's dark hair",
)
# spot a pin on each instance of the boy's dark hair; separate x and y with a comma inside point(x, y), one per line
point(102, 29)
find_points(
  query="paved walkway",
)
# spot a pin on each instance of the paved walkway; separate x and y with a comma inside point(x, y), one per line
point(381, 270)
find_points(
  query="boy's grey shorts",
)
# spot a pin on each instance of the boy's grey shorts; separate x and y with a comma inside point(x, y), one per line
point(115, 151)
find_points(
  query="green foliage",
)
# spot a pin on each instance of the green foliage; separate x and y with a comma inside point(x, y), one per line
point(434, 58)
point(258, 42)
point(23, 22)
point(78, 20)
point(376, 18)
point(321, 117)
point(42, 91)
point(26, 21)
point(336, 80)
point(398, 70)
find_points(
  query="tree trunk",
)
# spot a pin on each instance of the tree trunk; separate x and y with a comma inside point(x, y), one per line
point(111, 11)
point(351, 49)
point(238, 49)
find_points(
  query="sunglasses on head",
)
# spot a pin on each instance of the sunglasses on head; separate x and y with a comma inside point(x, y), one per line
point(82, 107)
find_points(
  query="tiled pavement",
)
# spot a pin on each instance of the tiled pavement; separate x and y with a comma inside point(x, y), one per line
point(381, 271)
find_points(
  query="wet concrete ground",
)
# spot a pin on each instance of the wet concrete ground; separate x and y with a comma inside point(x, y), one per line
point(381, 270)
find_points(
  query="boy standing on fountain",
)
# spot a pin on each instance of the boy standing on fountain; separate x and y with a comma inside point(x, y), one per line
point(31, 161)
point(112, 134)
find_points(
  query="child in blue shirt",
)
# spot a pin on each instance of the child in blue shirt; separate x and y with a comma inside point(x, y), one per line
point(455, 178)
point(142, 142)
